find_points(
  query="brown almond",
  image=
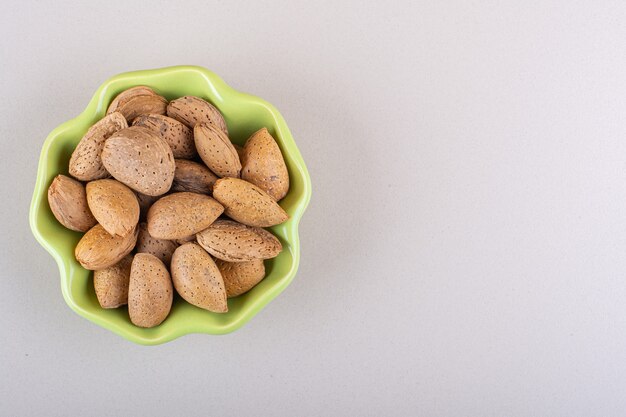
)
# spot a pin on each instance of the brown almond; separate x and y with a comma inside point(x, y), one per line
point(140, 105)
point(111, 284)
point(68, 202)
point(99, 250)
point(193, 177)
point(150, 291)
point(247, 203)
point(265, 166)
point(114, 205)
point(216, 150)
point(197, 279)
point(179, 215)
point(141, 159)
point(191, 110)
point(176, 134)
point(241, 277)
point(161, 248)
point(235, 242)
point(122, 98)
point(85, 163)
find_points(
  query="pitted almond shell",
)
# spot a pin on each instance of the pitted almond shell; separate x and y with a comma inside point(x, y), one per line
point(193, 177)
point(176, 134)
point(85, 162)
point(141, 105)
point(265, 166)
point(197, 279)
point(68, 202)
point(216, 150)
point(141, 159)
point(150, 291)
point(247, 203)
point(179, 215)
point(161, 248)
point(122, 98)
point(241, 277)
point(99, 250)
point(114, 205)
point(235, 242)
point(191, 110)
point(111, 284)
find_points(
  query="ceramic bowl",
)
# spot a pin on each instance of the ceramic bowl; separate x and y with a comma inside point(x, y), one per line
point(244, 114)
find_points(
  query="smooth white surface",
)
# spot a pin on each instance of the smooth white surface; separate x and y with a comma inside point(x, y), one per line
point(463, 253)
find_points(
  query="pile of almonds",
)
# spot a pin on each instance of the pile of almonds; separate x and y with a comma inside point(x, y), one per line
point(163, 181)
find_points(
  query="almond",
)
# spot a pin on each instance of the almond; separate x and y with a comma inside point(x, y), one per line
point(161, 248)
point(99, 250)
point(141, 159)
point(111, 284)
point(176, 134)
point(247, 203)
point(68, 202)
point(179, 215)
point(192, 176)
point(216, 151)
point(122, 98)
point(265, 166)
point(85, 163)
point(191, 110)
point(240, 277)
point(235, 242)
point(150, 292)
point(114, 205)
point(140, 105)
point(197, 279)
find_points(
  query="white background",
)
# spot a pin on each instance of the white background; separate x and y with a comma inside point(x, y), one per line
point(464, 250)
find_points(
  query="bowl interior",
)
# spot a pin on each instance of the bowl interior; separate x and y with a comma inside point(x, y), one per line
point(244, 115)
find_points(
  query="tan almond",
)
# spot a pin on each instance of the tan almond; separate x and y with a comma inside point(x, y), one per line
point(216, 150)
point(191, 110)
point(161, 248)
point(176, 134)
point(247, 203)
point(122, 98)
point(241, 277)
point(85, 163)
point(140, 105)
point(265, 166)
point(111, 284)
point(99, 250)
point(150, 291)
point(141, 159)
point(193, 177)
point(114, 205)
point(68, 202)
point(179, 215)
point(234, 242)
point(197, 279)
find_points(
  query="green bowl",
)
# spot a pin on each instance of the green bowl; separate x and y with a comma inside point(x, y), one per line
point(244, 115)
